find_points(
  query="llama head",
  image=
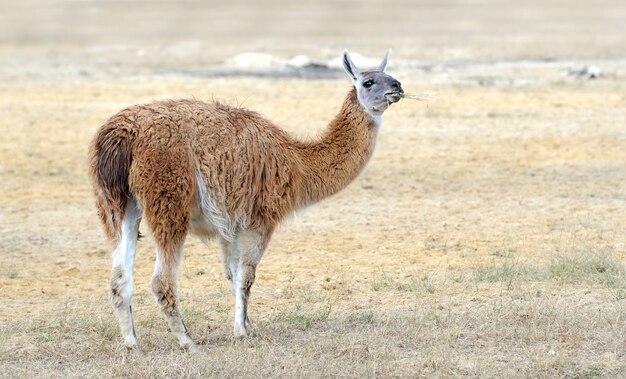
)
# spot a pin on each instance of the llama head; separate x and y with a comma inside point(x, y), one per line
point(375, 89)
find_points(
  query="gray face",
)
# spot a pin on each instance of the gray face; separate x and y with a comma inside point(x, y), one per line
point(376, 90)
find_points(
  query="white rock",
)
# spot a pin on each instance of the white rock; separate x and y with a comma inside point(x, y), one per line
point(255, 61)
point(299, 61)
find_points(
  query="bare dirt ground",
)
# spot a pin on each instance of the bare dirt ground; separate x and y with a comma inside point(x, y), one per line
point(485, 239)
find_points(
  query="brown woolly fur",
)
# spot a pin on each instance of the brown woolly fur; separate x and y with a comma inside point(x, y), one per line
point(219, 171)
point(110, 159)
point(249, 165)
point(344, 149)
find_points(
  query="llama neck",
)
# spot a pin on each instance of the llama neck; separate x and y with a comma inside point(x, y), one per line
point(341, 153)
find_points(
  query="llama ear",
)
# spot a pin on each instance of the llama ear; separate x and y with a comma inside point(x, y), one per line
point(383, 65)
point(352, 71)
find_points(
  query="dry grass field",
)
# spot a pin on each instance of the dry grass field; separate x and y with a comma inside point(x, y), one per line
point(486, 238)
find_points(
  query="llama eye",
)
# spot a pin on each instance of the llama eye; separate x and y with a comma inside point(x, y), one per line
point(368, 83)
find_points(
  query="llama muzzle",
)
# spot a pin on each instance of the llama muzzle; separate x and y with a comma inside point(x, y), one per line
point(394, 97)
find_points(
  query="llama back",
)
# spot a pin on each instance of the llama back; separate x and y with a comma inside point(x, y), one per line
point(236, 156)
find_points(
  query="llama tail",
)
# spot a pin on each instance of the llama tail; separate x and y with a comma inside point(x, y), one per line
point(110, 158)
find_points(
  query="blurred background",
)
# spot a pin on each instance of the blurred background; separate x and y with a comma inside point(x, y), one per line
point(484, 239)
point(99, 37)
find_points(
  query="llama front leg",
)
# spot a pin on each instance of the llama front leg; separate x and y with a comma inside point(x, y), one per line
point(245, 278)
point(122, 273)
point(164, 286)
point(250, 246)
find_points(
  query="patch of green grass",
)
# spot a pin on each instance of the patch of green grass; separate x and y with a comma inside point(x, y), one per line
point(302, 318)
point(309, 307)
point(505, 252)
point(306, 294)
point(299, 320)
point(416, 283)
point(458, 278)
point(361, 318)
point(382, 282)
point(605, 270)
point(191, 313)
point(590, 373)
point(601, 269)
point(507, 271)
point(221, 309)
point(44, 337)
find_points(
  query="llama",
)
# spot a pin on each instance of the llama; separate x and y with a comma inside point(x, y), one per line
point(216, 171)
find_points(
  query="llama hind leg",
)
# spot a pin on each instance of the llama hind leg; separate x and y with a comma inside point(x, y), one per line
point(164, 286)
point(162, 178)
point(122, 272)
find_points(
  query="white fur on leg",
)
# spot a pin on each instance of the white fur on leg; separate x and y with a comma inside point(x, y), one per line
point(122, 280)
point(239, 328)
point(247, 252)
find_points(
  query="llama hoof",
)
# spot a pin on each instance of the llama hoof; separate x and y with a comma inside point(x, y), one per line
point(244, 330)
point(185, 342)
point(246, 335)
point(192, 349)
point(134, 350)
point(243, 341)
point(190, 346)
point(243, 333)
